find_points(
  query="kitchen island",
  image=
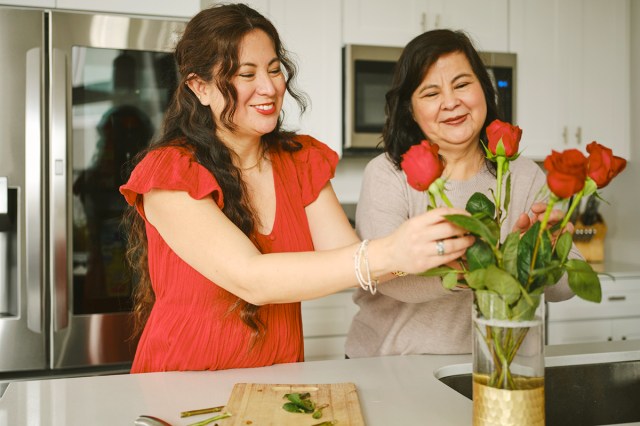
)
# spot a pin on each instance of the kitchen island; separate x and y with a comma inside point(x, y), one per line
point(398, 390)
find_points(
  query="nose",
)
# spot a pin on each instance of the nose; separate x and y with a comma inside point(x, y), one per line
point(449, 99)
point(266, 85)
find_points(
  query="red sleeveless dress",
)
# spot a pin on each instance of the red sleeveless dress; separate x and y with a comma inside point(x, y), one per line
point(190, 326)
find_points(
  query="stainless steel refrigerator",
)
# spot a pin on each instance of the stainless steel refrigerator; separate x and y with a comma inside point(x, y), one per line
point(80, 95)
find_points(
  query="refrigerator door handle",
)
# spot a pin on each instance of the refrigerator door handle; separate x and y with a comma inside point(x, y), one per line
point(33, 190)
point(58, 190)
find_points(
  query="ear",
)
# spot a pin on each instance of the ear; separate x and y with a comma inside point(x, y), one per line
point(199, 87)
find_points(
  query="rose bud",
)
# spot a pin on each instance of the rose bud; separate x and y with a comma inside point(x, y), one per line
point(567, 172)
point(603, 165)
point(422, 165)
point(509, 135)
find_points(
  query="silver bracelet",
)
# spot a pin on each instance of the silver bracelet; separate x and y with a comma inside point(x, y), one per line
point(366, 282)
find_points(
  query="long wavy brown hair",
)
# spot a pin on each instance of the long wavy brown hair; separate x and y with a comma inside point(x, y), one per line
point(209, 49)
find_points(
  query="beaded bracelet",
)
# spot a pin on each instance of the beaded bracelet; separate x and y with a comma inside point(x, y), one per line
point(366, 282)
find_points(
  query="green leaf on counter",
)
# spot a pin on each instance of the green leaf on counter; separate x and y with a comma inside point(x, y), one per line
point(583, 280)
point(300, 401)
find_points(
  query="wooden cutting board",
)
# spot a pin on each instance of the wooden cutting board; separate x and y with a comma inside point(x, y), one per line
point(261, 404)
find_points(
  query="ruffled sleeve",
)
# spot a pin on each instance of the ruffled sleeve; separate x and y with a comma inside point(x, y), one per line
point(171, 168)
point(315, 165)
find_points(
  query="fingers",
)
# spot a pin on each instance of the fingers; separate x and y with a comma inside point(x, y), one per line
point(522, 224)
point(451, 246)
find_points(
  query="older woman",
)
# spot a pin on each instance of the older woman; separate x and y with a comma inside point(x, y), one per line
point(442, 92)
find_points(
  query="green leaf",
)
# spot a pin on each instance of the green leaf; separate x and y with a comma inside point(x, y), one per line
point(507, 195)
point(550, 274)
point(480, 255)
point(476, 279)
point(473, 225)
point(583, 280)
point(492, 305)
point(440, 271)
point(292, 408)
point(503, 283)
point(525, 309)
point(563, 246)
point(480, 203)
point(490, 223)
point(510, 253)
point(525, 252)
point(450, 280)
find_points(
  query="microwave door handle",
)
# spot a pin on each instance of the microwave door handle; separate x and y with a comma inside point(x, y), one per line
point(58, 191)
point(33, 190)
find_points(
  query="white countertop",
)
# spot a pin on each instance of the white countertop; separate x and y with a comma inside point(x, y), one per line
point(395, 390)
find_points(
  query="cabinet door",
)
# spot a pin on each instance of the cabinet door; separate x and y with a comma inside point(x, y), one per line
point(606, 74)
point(316, 48)
point(569, 92)
point(168, 8)
point(486, 22)
point(627, 328)
point(383, 23)
point(559, 333)
point(30, 3)
point(396, 23)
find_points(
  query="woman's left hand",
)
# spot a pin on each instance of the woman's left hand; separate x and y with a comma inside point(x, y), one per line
point(526, 221)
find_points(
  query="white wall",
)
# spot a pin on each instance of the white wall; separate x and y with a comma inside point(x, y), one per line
point(622, 215)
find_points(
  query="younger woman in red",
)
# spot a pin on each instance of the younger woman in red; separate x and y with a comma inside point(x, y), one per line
point(234, 220)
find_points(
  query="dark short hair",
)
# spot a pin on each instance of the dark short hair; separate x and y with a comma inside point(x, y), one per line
point(400, 131)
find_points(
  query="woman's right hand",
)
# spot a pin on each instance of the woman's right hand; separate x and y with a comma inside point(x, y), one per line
point(417, 244)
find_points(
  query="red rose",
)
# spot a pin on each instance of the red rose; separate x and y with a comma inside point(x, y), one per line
point(567, 172)
point(510, 136)
point(422, 165)
point(603, 165)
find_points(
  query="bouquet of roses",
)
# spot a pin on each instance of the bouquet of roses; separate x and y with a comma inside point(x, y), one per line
point(518, 266)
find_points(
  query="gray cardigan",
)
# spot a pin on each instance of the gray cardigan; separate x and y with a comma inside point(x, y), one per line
point(412, 314)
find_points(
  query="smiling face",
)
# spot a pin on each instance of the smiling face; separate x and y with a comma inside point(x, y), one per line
point(260, 87)
point(449, 105)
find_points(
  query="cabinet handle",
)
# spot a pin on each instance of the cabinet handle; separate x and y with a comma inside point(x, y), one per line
point(437, 21)
point(624, 337)
point(565, 135)
point(617, 298)
point(423, 22)
point(579, 135)
point(609, 339)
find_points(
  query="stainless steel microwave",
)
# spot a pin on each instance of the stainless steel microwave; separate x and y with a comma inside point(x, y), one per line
point(367, 75)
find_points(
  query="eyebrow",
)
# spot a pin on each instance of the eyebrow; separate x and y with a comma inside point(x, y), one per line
point(457, 77)
point(251, 64)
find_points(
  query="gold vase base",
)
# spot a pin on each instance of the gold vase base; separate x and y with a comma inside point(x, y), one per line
point(522, 407)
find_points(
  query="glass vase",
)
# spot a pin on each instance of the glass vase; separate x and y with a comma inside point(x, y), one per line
point(508, 361)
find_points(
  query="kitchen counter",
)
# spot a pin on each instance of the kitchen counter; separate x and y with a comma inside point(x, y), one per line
point(392, 390)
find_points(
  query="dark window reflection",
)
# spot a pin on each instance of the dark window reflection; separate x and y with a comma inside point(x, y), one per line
point(119, 98)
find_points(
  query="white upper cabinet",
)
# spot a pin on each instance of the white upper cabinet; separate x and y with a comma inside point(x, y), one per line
point(395, 23)
point(167, 8)
point(30, 3)
point(573, 74)
point(310, 30)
